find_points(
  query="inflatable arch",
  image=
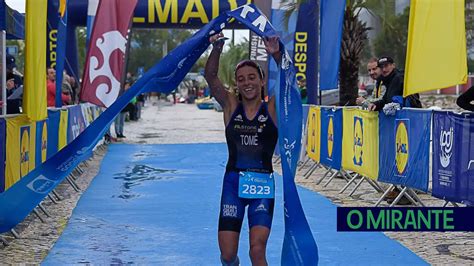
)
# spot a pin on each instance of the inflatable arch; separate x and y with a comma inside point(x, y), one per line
point(186, 14)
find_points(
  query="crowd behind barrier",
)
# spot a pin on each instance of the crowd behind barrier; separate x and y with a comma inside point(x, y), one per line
point(397, 149)
point(27, 144)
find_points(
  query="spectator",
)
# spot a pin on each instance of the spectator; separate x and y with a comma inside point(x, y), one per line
point(393, 80)
point(465, 100)
point(51, 87)
point(67, 89)
point(75, 89)
point(303, 92)
point(379, 89)
point(13, 95)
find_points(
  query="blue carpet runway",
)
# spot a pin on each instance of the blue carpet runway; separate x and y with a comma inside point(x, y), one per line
point(159, 204)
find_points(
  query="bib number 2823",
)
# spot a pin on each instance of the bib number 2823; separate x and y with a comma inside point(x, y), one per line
point(254, 185)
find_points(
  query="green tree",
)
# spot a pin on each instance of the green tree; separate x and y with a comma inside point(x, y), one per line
point(392, 40)
point(229, 59)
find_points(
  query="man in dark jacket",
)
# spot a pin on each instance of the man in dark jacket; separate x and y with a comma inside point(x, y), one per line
point(393, 80)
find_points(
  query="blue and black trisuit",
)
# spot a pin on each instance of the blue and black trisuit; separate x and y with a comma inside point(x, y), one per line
point(251, 144)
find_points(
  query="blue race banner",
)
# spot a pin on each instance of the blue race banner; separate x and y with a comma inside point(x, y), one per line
point(286, 32)
point(61, 50)
point(54, 117)
point(3, 144)
point(405, 219)
point(299, 247)
point(453, 156)
point(41, 140)
point(76, 122)
point(332, 16)
point(306, 47)
point(331, 137)
point(404, 148)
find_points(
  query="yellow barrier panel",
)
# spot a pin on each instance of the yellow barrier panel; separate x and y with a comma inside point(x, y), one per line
point(360, 142)
point(313, 147)
point(62, 135)
point(20, 145)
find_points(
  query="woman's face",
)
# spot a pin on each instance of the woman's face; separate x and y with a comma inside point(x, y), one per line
point(249, 82)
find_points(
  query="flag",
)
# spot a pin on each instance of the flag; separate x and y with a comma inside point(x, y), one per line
point(34, 98)
point(436, 48)
point(61, 50)
point(306, 47)
point(2, 153)
point(332, 17)
point(105, 57)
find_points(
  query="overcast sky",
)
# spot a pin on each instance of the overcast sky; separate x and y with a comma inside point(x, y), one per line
point(18, 5)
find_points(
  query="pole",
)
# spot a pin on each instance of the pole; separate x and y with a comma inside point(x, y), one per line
point(4, 74)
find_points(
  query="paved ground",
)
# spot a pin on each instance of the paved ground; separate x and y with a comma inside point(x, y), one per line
point(164, 123)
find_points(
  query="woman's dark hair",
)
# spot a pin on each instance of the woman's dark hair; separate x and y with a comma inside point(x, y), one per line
point(259, 69)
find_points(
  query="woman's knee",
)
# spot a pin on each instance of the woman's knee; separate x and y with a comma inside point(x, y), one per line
point(257, 250)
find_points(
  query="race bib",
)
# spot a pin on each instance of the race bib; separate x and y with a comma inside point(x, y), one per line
point(254, 185)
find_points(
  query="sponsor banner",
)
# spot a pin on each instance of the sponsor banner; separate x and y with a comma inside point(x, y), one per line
point(61, 50)
point(405, 219)
point(3, 132)
point(41, 140)
point(76, 123)
point(63, 129)
point(313, 146)
point(87, 113)
point(453, 156)
point(20, 144)
point(54, 117)
point(360, 142)
point(404, 148)
point(332, 17)
point(331, 137)
point(306, 47)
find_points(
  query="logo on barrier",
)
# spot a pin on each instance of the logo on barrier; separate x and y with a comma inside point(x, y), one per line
point(24, 150)
point(401, 145)
point(41, 184)
point(107, 92)
point(358, 140)
point(471, 162)
point(446, 140)
point(330, 136)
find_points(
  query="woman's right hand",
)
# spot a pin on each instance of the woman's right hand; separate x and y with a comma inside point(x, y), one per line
point(214, 40)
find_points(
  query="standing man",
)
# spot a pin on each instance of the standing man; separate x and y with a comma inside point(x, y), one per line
point(379, 89)
point(51, 89)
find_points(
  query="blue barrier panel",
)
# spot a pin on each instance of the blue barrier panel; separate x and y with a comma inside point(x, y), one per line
point(41, 141)
point(404, 148)
point(53, 132)
point(453, 156)
point(76, 123)
point(3, 133)
point(331, 137)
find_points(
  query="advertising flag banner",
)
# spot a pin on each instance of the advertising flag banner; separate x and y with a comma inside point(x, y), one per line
point(331, 137)
point(436, 46)
point(453, 156)
point(34, 97)
point(61, 50)
point(360, 142)
point(405, 148)
point(313, 146)
point(332, 17)
point(106, 55)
